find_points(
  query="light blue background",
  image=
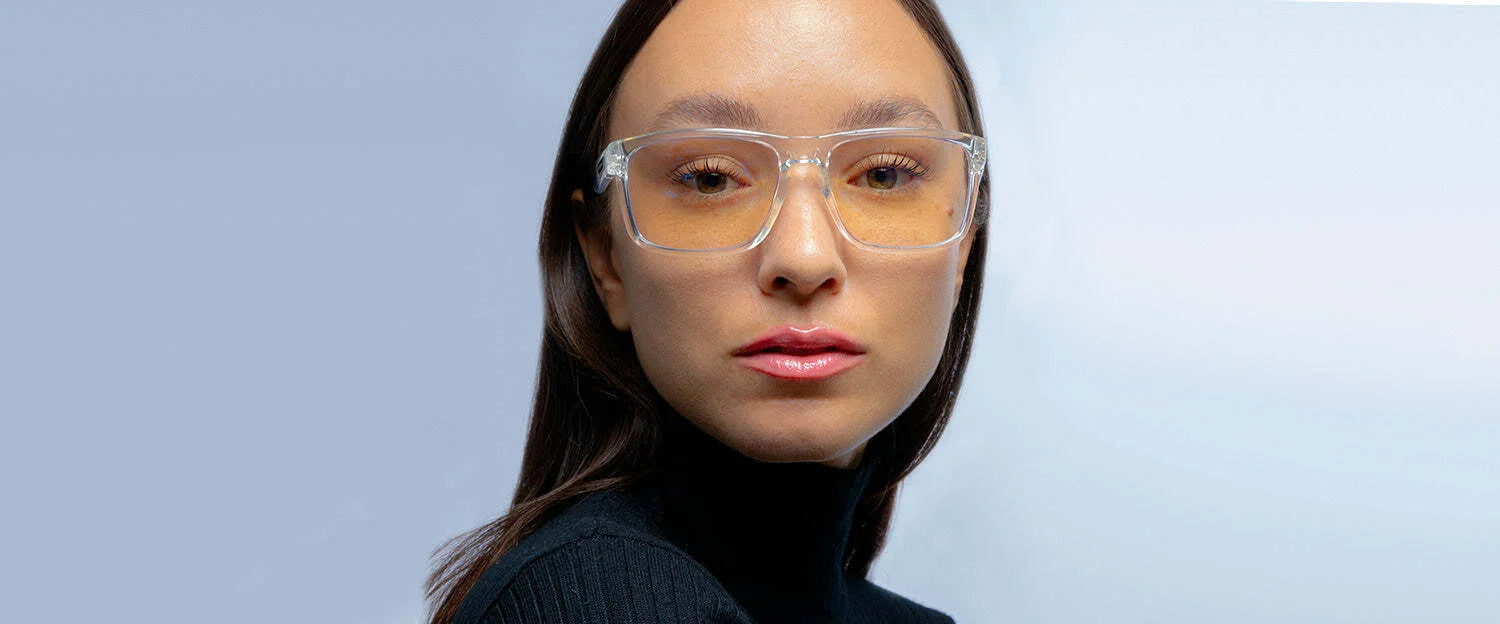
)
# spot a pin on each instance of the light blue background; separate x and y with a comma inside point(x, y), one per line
point(269, 308)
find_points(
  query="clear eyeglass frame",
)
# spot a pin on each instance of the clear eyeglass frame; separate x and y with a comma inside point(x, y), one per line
point(816, 150)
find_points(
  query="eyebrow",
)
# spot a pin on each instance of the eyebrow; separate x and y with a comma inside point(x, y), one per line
point(720, 111)
point(888, 111)
point(707, 109)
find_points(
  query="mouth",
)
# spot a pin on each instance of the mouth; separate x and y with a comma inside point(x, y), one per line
point(810, 366)
point(787, 352)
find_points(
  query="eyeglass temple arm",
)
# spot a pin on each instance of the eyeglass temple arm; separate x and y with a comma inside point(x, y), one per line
point(978, 155)
point(611, 165)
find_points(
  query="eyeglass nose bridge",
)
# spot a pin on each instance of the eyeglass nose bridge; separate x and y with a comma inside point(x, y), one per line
point(810, 160)
point(815, 161)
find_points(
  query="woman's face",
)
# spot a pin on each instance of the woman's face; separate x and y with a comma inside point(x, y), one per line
point(801, 66)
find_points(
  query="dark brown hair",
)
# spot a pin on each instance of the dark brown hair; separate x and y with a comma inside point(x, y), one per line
point(595, 417)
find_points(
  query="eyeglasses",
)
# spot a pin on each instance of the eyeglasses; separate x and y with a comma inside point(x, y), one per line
point(720, 189)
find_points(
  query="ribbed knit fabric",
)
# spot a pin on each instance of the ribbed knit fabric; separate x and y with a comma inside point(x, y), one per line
point(715, 537)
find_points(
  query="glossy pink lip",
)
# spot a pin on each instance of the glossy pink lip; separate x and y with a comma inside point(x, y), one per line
point(787, 352)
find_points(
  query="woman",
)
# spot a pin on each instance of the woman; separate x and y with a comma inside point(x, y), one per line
point(762, 254)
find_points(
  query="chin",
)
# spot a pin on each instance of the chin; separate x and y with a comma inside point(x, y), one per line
point(808, 453)
point(806, 437)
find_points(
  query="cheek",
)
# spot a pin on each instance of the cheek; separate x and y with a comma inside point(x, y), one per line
point(914, 300)
point(916, 295)
point(678, 316)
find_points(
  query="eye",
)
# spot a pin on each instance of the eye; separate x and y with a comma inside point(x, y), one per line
point(708, 177)
point(710, 182)
point(884, 172)
point(883, 178)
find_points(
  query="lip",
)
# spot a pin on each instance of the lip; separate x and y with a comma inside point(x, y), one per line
point(788, 352)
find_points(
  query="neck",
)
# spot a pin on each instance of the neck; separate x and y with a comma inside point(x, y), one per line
point(774, 534)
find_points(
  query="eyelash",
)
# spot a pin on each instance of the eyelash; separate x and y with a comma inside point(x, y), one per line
point(700, 167)
point(913, 168)
point(893, 160)
point(897, 160)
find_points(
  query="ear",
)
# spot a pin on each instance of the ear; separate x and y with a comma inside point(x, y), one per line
point(599, 253)
point(963, 261)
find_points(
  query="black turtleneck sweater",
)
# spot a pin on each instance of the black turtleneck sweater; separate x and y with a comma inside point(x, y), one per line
point(714, 537)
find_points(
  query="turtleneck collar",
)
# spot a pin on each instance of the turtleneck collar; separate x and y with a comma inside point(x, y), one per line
point(774, 534)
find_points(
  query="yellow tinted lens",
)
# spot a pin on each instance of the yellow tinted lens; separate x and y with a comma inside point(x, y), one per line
point(900, 191)
point(700, 193)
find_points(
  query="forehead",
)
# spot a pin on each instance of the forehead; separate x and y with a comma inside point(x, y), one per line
point(793, 67)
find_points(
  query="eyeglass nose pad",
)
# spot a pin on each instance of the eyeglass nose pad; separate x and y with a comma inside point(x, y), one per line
point(814, 161)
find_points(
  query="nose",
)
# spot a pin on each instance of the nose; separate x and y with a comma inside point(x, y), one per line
point(802, 255)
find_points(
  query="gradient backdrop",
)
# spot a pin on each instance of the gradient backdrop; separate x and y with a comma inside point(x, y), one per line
point(269, 308)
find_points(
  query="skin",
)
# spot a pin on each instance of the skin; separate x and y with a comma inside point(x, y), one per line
point(801, 64)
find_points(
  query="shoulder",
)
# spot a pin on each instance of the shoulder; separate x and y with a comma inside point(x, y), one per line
point(878, 604)
point(601, 560)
